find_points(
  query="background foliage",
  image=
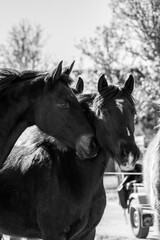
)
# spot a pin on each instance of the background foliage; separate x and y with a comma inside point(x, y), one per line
point(131, 44)
point(24, 48)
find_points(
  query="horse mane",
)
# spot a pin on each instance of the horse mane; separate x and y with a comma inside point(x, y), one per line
point(34, 137)
point(86, 101)
point(11, 79)
point(33, 148)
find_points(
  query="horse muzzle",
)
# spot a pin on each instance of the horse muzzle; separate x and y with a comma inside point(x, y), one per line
point(87, 147)
point(128, 159)
point(128, 163)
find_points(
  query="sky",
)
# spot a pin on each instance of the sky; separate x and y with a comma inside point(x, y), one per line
point(65, 22)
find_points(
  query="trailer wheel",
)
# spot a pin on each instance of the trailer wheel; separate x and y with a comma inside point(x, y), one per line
point(135, 220)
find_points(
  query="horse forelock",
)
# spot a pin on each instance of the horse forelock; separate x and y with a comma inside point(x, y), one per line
point(65, 78)
point(109, 94)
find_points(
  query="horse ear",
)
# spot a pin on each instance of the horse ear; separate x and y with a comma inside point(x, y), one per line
point(68, 70)
point(129, 84)
point(57, 72)
point(50, 79)
point(102, 83)
point(80, 85)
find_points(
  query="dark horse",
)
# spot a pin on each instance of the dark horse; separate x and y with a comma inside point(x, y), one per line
point(47, 101)
point(48, 192)
point(151, 177)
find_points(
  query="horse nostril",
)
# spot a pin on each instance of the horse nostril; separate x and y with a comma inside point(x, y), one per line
point(86, 147)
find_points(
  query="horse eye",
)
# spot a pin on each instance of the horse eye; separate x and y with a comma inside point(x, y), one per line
point(65, 104)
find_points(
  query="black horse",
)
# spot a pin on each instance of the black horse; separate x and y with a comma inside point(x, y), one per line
point(47, 191)
point(44, 99)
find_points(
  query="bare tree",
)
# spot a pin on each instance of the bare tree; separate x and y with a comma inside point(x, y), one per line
point(105, 50)
point(24, 47)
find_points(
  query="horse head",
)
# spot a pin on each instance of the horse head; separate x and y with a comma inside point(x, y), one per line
point(58, 113)
point(111, 113)
point(115, 109)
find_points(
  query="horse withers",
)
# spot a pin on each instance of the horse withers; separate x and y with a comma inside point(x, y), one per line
point(47, 191)
point(46, 100)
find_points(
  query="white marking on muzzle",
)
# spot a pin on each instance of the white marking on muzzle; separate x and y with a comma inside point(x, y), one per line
point(129, 166)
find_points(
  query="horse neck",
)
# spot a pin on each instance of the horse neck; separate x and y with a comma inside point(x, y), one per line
point(13, 121)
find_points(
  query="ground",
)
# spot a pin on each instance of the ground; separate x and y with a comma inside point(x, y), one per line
point(114, 225)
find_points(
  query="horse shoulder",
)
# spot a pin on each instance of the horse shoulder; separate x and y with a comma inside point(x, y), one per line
point(25, 168)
